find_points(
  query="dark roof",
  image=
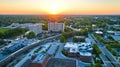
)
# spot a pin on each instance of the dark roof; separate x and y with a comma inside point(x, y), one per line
point(40, 58)
point(27, 63)
point(56, 62)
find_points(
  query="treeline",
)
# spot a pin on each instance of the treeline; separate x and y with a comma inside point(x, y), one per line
point(66, 35)
point(82, 32)
point(100, 38)
point(96, 50)
point(78, 39)
point(82, 22)
point(6, 20)
point(114, 44)
point(12, 32)
point(67, 29)
point(111, 45)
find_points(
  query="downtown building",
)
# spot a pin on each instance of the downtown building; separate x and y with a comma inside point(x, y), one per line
point(55, 27)
point(36, 28)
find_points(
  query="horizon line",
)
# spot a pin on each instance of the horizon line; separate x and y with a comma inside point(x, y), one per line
point(63, 14)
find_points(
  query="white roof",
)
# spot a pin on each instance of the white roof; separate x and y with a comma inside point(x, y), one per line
point(71, 45)
point(73, 50)
point(110, 31)
point(83, 44)
point(85, 53)
point(74, 47)
point(79, 36)
point(99, 32)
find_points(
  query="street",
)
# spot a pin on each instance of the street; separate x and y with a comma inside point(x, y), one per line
point(106, 55)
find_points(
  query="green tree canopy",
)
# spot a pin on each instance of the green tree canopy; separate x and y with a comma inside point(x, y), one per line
point(30, 35)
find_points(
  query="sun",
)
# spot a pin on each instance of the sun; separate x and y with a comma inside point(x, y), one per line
point(53, 7)
point(54, 12)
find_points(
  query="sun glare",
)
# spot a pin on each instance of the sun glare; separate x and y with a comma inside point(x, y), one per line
point(53, 12)
point(53, 7)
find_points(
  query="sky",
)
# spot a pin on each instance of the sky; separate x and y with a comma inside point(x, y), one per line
point(60, 7)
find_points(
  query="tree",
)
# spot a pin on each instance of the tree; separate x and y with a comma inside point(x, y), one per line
point(96, 50)
point(30, 35)
point(8, 33)
point(114, 52)
point(78, 39)
point(98, 65)
point(92, 65)
point(2, 41)
point(45, 26)
point(63, 39)
point(67, 29)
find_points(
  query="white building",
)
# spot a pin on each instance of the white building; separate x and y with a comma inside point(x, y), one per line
point(56, 27)
point(117, 33)
point(99, 32)
point(36, 28)
point(73, 47)
point(76, 47)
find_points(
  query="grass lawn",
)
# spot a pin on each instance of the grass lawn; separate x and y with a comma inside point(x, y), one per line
point(2, 30)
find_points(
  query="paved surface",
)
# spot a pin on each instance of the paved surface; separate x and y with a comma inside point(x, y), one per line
point(105, 60)
point(110, 56)
point(106, 54)
point(6, 60)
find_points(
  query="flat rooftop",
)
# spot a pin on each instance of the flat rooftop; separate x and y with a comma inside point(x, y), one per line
point(85, 53)
point(40, 58)
point(57, 62)
point(115, 37)
point(52, 49)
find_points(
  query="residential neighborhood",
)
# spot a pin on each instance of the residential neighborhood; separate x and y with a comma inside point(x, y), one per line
point(66, 43)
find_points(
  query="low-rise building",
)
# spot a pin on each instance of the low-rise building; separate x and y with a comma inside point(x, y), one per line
point(57, 62)
point(117, 33)
point(77, 47)
point(36, 28)
point(82, 51)
point(99, 32)
point(71, 47)
point(116, 38)
point(40, 60)
point(110, 32)
point(52, 50)
point(16, 46)
point(79, 36)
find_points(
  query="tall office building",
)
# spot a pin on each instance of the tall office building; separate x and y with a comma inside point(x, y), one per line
point(56, 27)
point(36, 28)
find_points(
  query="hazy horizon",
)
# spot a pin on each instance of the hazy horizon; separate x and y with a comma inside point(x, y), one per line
point(62, 7)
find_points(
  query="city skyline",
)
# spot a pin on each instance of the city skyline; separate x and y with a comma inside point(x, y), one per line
point(68, 7)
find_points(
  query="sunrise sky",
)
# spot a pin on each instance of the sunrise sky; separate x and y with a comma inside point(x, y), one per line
point(59, 6)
